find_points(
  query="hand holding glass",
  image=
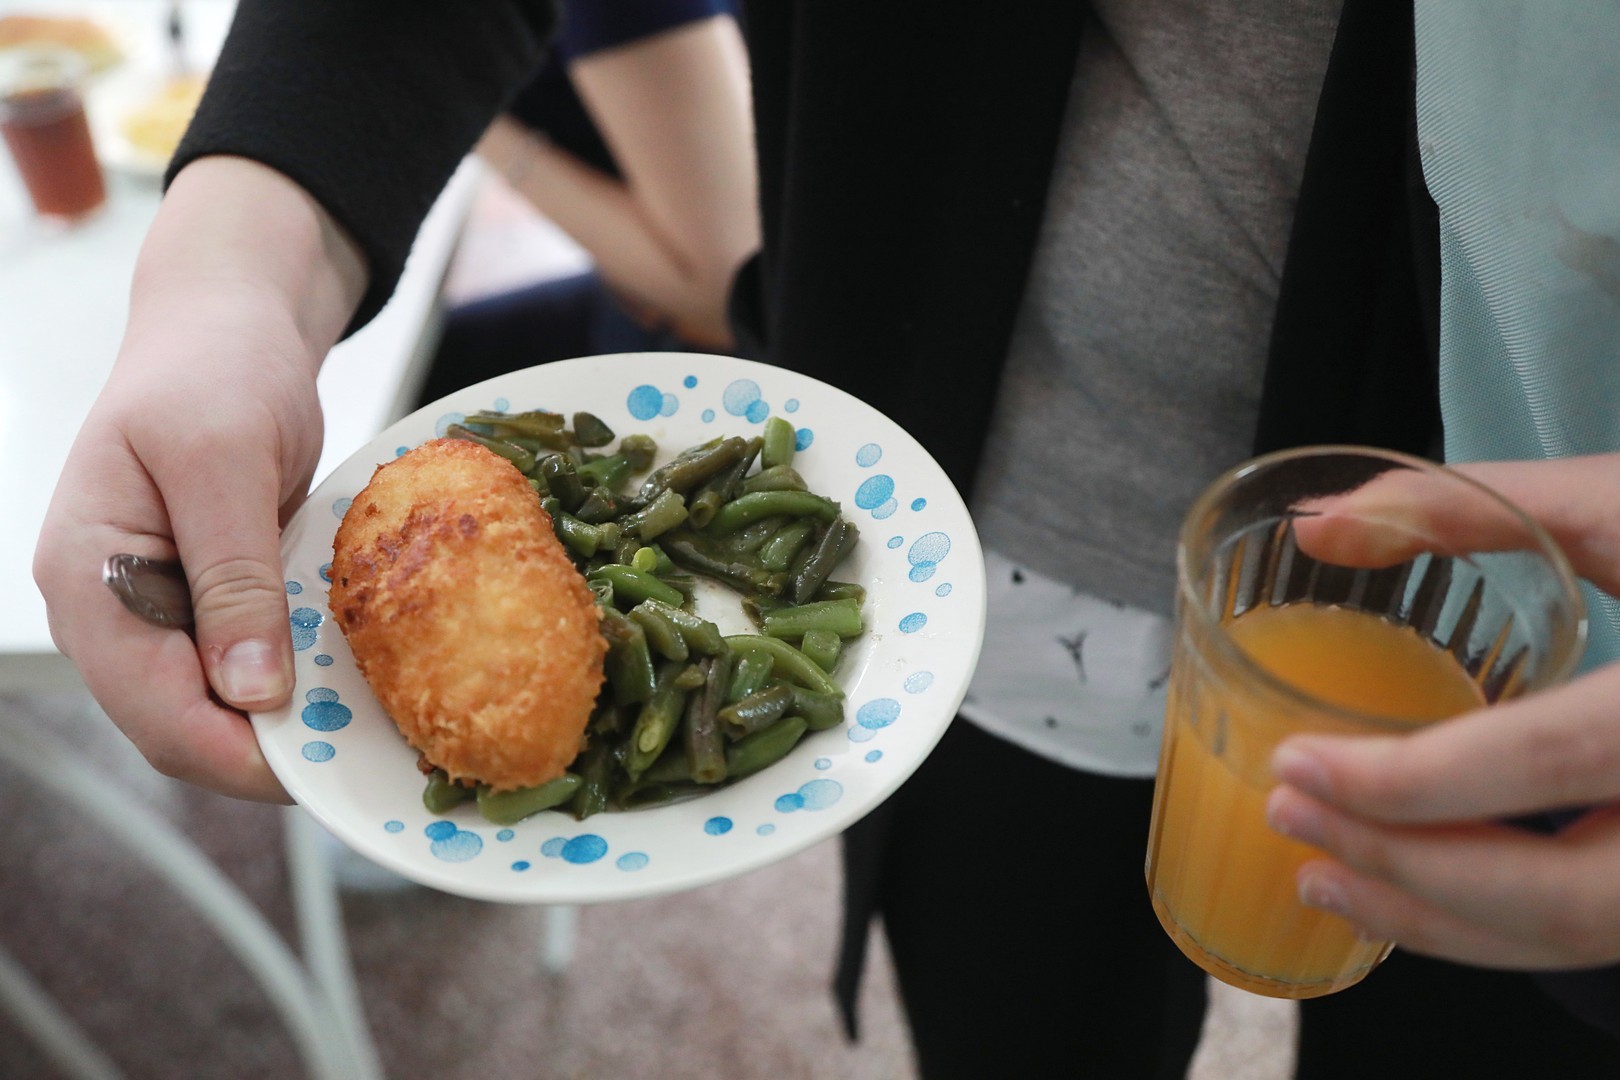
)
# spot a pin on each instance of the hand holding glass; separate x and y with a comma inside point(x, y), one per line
point(1328, 589)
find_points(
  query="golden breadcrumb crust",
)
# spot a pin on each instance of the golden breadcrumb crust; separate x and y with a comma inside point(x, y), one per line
point(475, 631)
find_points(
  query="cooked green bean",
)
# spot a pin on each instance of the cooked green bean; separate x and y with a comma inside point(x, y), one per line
point(700, 635)
point(590, 431)
point(841, 617)
point(776, 478)
point(608, 472)
point(628, 666)
point(766, 747)
point(700, 731)
point(745, 509)
point(835, 543)
point(788, 662)
point(750, 538)
point(780, 443)
point(633, 586)
point(756, 605)
point(639, 451)
point(656, 722)
point(595, 770)
point(723, 487)
point(756, 710)
point(777, 553)
point(820, 711)
point(822, 646)
point(662, 635)
point(511, 807)
point(515, 454)
point(547, 427)
point(748, 674)
point(561, 480)
point(690, 676)
point(580, 536)
point(690, 552)
point(442, 794)
point(657, 517)
point(600, 506)
point(687, 472)
point(841, 590)
point(645, 559)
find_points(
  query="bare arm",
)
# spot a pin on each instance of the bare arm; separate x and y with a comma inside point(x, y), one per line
point(674, 109)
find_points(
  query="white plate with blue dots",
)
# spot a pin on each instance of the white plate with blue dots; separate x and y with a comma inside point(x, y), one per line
point(341, 757)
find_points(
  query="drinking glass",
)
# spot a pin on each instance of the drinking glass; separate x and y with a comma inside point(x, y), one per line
point(43, 122)
point(1328, 589)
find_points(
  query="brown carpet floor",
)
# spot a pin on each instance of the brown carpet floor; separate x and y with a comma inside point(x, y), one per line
point(726, 981)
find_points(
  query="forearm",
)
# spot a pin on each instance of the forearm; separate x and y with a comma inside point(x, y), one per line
point(228, 224)
point(687, 285)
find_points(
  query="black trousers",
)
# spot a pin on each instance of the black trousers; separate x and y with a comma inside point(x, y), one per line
point(1012, 896)
point(1011, 891)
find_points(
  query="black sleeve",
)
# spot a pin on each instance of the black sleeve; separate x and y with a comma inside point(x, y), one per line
point(369, 105)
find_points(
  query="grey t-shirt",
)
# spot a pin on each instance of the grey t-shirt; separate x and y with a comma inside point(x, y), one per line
point(1135, 366)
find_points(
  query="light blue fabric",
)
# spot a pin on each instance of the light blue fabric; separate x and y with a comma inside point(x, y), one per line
point(1518, 111)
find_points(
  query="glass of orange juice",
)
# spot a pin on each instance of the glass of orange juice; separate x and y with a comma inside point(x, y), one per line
point(1328, 589)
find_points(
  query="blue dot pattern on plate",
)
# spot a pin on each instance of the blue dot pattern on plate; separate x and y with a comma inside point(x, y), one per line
point(815, 795)
point(453, 844)
point(632, 860)
point(918, 681)
point(394, 826)
point(304, 622)
point(766, 829)
point(322, 660)
point(926, 553)
point(324, 712)
point(874, 755)
point(943, 590)
point(341, 506)
point(918, 504)
point(803, 438)
point(294, 588)
point(442, 426)
point(318, 751)
point(326, 573)
point(708, 416)
point(717, 826)
point(579, 850)
point(872, 717)
point(874, 491)
point(823, 763)
point(645, 402)
point(742, 398)
point(504, 835)
point(896, 541)
point(868, 455)
point(913, 622)
point(501, 404)
point(689, 382)
point(401, 451)
point(521, 865)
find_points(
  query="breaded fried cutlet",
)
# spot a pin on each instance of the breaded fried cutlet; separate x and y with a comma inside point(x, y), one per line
point(475, 631)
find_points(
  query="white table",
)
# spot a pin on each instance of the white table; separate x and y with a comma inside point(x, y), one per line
point(63, 304)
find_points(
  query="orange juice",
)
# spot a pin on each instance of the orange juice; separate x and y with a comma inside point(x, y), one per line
point(1222, 881)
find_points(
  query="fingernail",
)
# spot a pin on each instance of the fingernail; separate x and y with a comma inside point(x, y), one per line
point(1324, 895)
point(1293, 818)
point(1300, 768)
point(251, 671)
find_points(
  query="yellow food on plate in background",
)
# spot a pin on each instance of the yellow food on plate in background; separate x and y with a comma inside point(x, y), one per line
point(473, 628)
point(155, 126)
point(76, 34)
